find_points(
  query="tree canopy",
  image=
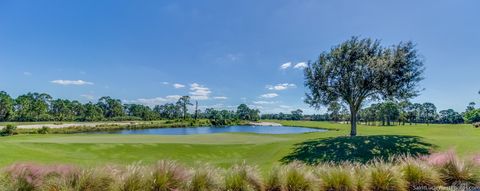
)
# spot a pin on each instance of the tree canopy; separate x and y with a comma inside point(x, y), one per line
point(361, 69)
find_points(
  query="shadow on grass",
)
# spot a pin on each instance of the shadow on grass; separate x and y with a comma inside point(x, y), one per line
point(357, 149)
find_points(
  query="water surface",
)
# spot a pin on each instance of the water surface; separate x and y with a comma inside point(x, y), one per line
point(226, 129)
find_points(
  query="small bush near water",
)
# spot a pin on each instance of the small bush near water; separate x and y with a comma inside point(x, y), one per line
point(442, 171)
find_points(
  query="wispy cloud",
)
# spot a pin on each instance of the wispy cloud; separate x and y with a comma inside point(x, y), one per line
point(71, 82)
point(178, 86)
point(165, 83)
point(285, 66)
point(264, 102)
point(280, 87)
point(220, 97)
point(156, 100)
point(199, 92)
point(269, 95)
point(300, 65)
point(27, 73)
point(88, 96)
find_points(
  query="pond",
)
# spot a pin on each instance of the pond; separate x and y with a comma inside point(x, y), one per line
point(226, 129)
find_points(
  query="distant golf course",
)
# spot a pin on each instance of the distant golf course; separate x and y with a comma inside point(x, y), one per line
point(226, 149)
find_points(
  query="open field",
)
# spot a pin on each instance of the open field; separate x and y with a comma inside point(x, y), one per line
point(226, 149)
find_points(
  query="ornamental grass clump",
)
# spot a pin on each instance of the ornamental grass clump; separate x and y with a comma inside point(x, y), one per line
point(133, 178)
point(337, 177)
point(459, 173)
point(243, 178)
point(34, 177)
point(205, 178)
point(419, 175)
point(98, 179)
point(385, 177)
point(273, 181)
point(168, 175)
point(298, 177)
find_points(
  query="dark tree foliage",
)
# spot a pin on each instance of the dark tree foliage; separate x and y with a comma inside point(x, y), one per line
point(362, 69)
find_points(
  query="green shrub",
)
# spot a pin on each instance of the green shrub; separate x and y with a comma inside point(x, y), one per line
point(385, 177)
point(8, 130)
point(43, 130)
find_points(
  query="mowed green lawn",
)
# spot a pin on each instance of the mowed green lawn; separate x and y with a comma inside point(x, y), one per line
point(227, 149)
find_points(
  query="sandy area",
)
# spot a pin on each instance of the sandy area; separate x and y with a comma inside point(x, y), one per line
point(63, 125)
point(265, 124)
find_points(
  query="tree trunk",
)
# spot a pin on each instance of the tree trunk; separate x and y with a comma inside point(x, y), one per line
point(353, 123)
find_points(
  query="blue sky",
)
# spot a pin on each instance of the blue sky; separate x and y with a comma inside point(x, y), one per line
point(223, 53)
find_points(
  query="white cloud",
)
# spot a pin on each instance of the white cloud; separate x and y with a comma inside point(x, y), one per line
point(71, 82)
point(177, 86)
point(88, 96)
point(285, 66)
point(27, 73)
point(173, 97)
point(269, 95)
point(264, 102)
point(156, 100)
point(279, 87)
point(300, 65)
point(220, 97)
point(199, 92)
point(165, 83)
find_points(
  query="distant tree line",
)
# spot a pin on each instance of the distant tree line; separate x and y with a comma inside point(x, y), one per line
point(389, 113)
point(42, 107)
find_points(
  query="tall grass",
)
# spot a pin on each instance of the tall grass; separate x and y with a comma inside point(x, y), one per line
point(243, 178)
point(298, 177)
point(385, 177)
point(168, 175)
point(205, 178)
point(418, 174)
point(337, 177)
point(437, 172)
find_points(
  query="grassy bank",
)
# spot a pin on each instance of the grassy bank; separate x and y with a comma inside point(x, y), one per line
point(224, 150)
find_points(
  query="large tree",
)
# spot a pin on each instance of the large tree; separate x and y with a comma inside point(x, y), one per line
point(111, 107)
point(6, 106)
point(183, 102)
point(361, 69)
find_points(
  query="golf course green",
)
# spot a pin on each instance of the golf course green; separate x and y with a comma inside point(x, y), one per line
point(229, 148)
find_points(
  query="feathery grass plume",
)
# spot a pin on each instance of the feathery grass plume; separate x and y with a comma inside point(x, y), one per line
point(243, 178)
point(360, 175)
point(385, 177)
point(205, 178)
point(298, 177)
point(168, 175)
point(5, 182)
point(419, 175)
point(440, 158)
point(337, 177)
point(98, 179)
point(458, 173)
point(32, 176)
point(273, 182)
point(132, 178)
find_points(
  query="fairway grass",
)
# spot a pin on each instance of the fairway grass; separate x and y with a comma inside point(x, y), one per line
point(217, 149)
